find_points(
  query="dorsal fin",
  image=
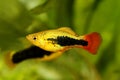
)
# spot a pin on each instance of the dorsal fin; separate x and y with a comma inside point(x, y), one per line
point(68, 30)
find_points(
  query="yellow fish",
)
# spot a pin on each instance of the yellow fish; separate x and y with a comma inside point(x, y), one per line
point(50, 44)
point(64, 38)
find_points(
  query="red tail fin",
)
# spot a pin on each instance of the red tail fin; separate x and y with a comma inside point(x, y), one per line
point(94, 40)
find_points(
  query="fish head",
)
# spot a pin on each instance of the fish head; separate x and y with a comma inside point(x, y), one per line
point(34, 39)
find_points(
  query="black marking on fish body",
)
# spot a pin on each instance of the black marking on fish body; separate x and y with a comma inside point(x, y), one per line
point(53, 40)
point(67, 41)
point(29, 53)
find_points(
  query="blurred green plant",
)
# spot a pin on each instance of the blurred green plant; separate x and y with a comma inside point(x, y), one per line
point(21, 17)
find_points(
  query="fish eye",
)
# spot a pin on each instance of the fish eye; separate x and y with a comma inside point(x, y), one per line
point(34, 38)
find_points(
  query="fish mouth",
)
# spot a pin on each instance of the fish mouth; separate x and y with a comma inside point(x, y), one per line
point(30, 37)
point(27, 37)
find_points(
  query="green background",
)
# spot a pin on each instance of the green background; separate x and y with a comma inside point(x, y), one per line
point(21, 17)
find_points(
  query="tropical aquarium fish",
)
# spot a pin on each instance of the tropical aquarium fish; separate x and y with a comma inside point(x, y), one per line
point(50, 44)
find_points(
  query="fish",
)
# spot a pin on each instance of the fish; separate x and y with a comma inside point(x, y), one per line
point(50, 44)
point(64, 38)
point(32, 52)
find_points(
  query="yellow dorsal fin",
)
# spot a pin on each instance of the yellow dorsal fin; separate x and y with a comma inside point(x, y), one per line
point(67, 29)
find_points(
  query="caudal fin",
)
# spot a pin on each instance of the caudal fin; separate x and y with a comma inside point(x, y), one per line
point(8, 60)
point(94, 40)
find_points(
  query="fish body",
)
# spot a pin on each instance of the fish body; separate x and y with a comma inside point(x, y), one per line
point(64, 38)
point(48, 40)
point(50, 44)
point(33, 52)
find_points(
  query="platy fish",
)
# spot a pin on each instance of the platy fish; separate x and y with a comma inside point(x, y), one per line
point(50, 44)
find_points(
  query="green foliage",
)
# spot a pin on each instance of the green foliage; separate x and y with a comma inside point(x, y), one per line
point(21, 17)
